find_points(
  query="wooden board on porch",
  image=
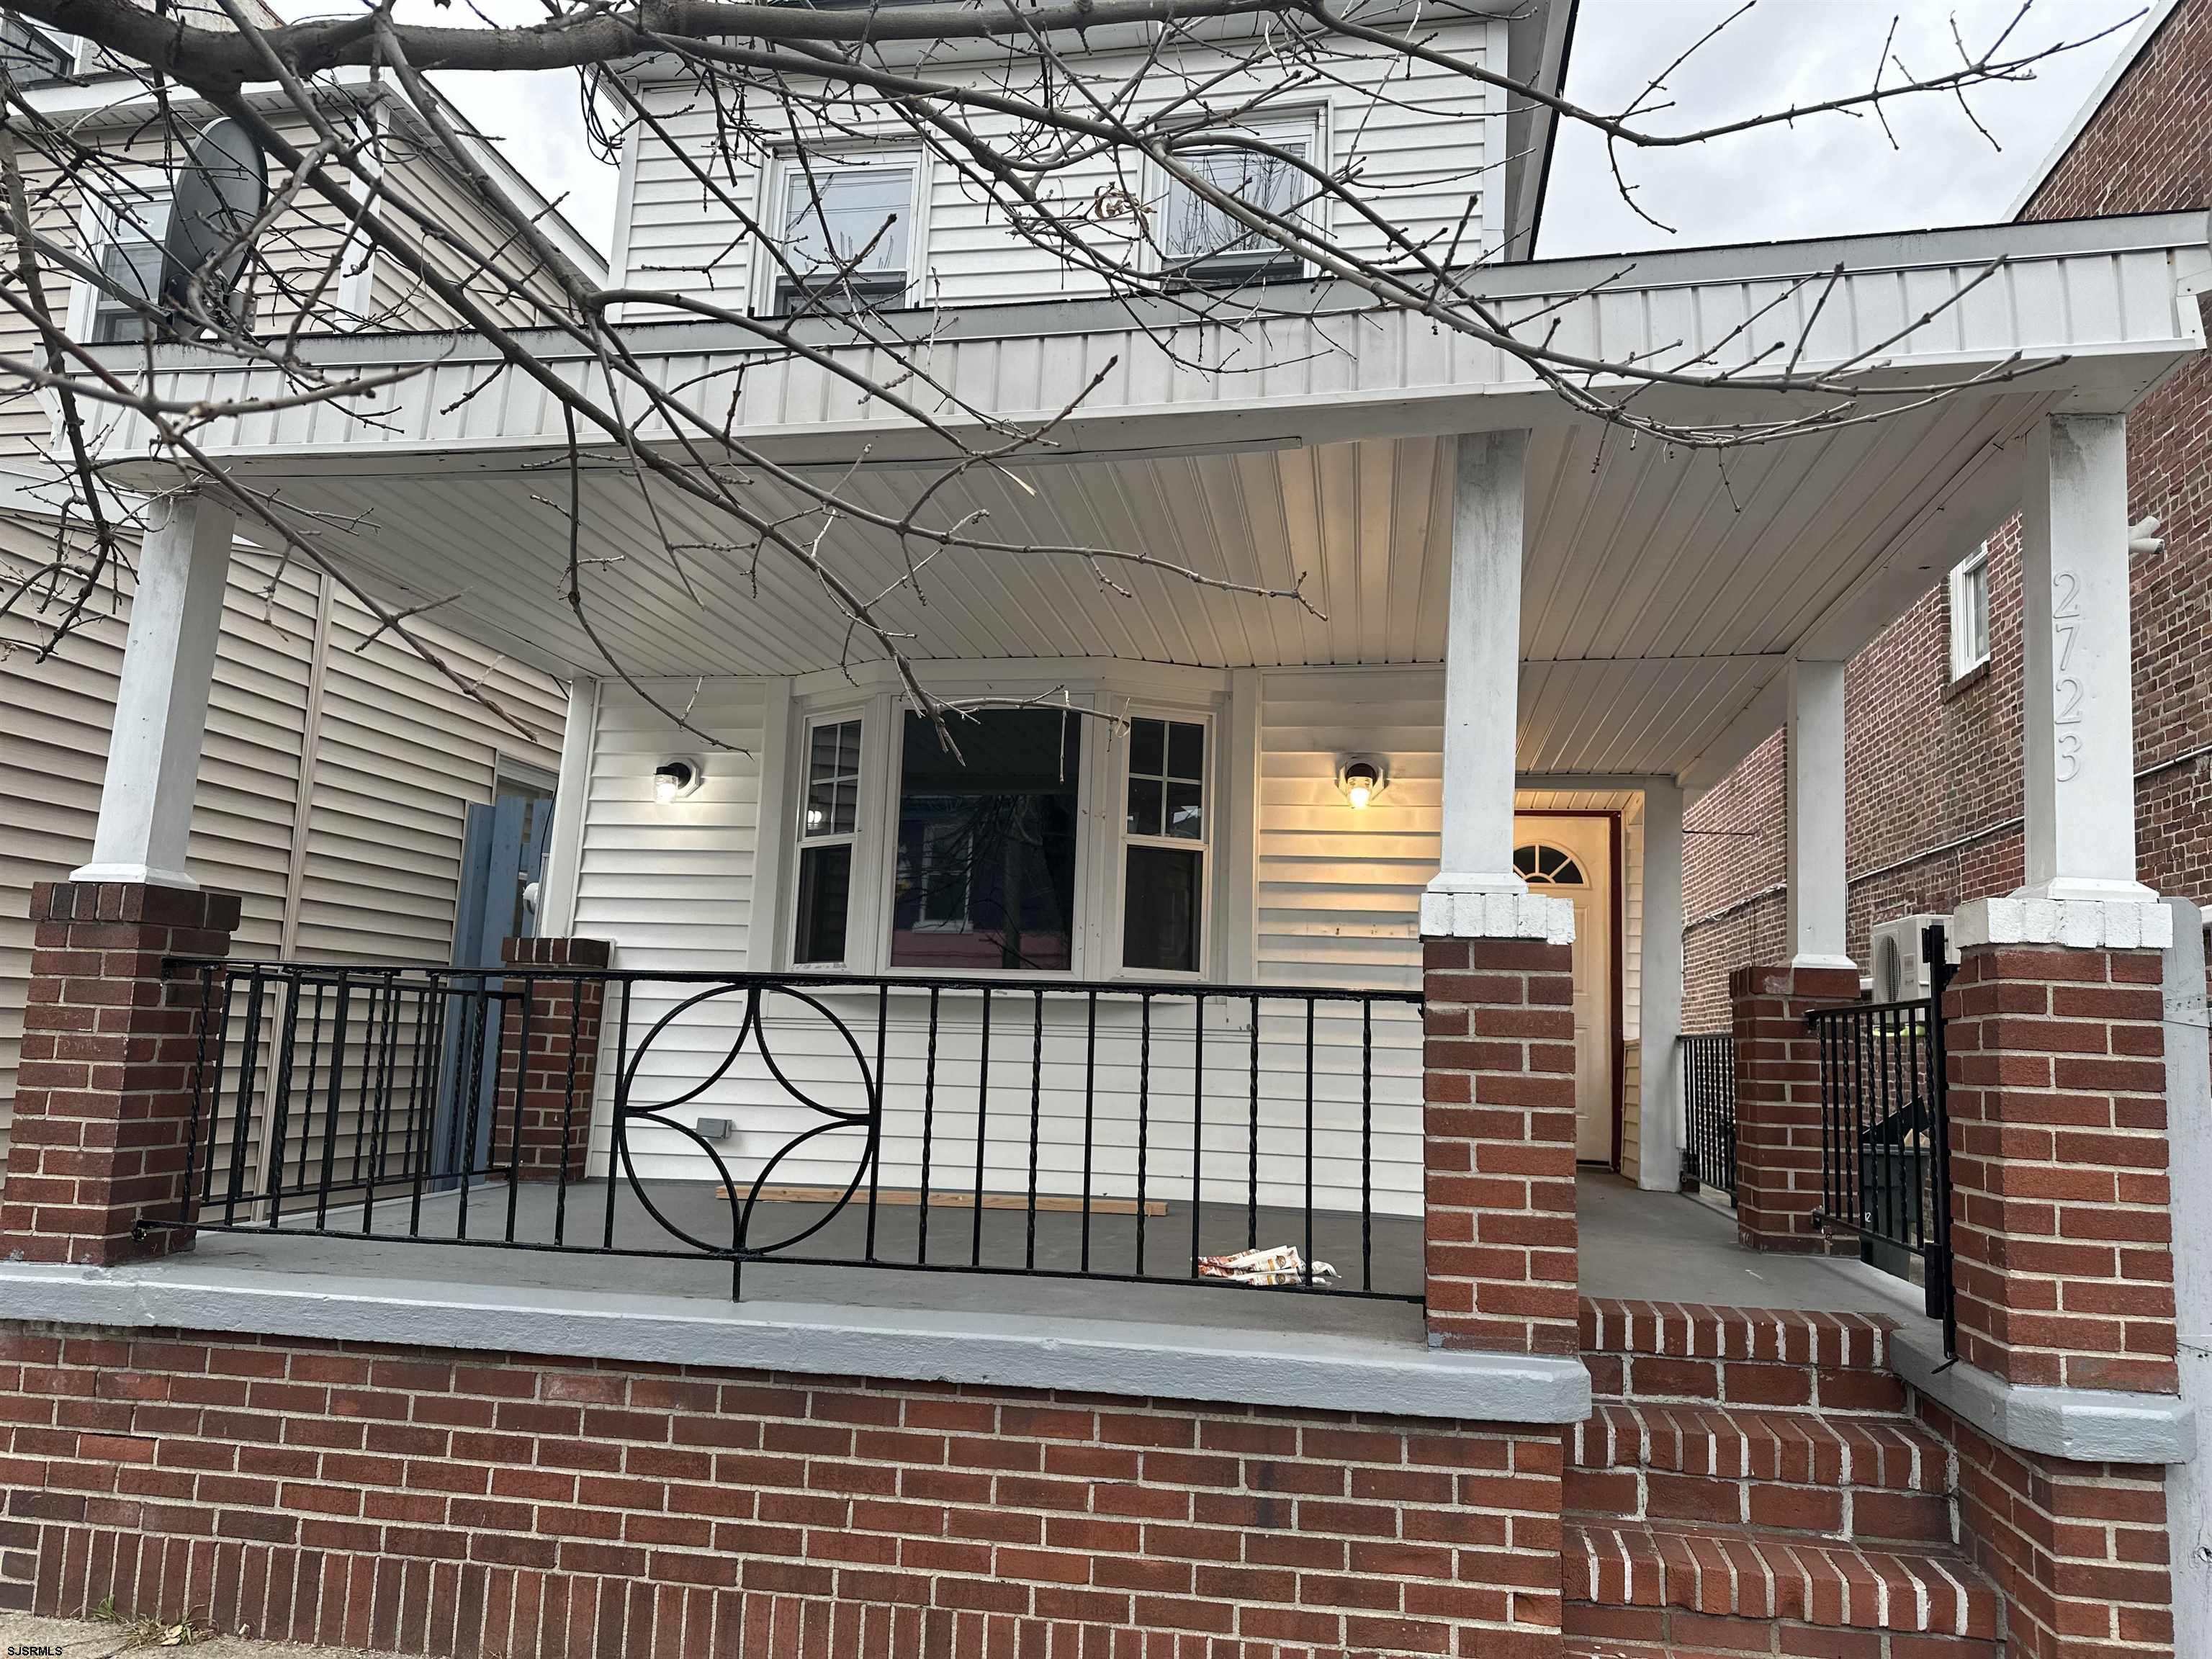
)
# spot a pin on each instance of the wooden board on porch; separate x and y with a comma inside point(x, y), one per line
point(910, 1197)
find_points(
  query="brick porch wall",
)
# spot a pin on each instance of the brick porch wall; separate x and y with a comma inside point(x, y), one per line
point(102, 1131)
point(1778, 1182)
point(1500, 1140)
point(561, 1025)
point(2062, 1237)
point(448, 1504)
point(2079, 1551)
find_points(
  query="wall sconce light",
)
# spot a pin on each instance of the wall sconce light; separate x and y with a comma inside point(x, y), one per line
point(677, 776)
point(1361, 777)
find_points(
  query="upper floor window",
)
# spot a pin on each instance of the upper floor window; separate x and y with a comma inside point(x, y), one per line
point(29, 53)
point(1202, 241)
point(848, 231)
point(1969, 612)
point(131, 261)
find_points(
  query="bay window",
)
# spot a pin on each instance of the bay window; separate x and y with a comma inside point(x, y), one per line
point(1041, 840)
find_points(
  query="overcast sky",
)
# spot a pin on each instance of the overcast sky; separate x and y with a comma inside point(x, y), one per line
point(1830, 174)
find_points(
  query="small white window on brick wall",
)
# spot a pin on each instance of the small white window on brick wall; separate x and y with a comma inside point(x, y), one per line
point(1969, 612)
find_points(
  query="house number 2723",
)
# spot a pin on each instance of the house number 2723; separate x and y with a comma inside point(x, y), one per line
point(2066, 690)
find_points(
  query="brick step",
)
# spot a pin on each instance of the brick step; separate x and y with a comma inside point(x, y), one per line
point(1736, 1573)
point(1859, 1478)
point(1753, 1357)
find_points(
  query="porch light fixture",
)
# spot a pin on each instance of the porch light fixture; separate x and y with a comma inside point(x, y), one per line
point(677, 776)
point(1361, 777)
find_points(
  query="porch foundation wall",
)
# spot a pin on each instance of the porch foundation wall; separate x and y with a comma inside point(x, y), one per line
point(549, 1058)
point(2079, 1552)
point(435, 1502)
point(2062, 1235)
point(1779, 1187)
point(103, 1132)
point(1499, 1144)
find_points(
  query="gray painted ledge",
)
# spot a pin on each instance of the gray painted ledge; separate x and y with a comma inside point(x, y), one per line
point(2089, 1426)
point(1327, 1371)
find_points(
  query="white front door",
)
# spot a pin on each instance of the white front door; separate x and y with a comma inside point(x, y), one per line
point(1572, 858)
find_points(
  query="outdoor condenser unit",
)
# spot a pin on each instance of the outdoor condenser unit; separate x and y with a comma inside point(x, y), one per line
point(1900, 973)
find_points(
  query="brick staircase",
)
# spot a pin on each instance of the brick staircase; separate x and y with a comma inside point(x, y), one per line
point(1750, 1483)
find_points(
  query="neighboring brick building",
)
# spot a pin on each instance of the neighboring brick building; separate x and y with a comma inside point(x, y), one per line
point(1934, 812)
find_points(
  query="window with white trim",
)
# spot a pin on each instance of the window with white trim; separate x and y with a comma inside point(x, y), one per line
point(131, 260)
point(1969, 612)
point(829, 826)
point(1200, 241)
point(985, 842)
point(1165, 842)
point(847, 225)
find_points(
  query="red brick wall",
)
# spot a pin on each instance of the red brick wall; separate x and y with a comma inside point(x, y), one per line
point(103, 1128)
point(2079, 1551)
point(1499, 1144)
point(561, 1026)
point(452, 1503)
point(2061, 1238)
point(1935, 793)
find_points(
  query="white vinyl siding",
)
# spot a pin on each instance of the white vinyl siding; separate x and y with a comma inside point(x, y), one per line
point(1422, 149)
point(398, 759)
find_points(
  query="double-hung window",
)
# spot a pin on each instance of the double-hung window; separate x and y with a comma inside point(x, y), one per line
point(1164, 870)
point(131, 264)
point(1201, 240)
point(828, 824)
point(848, 230)
point(1969, 612)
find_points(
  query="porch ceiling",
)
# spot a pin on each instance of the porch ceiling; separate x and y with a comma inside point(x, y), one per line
point(1663, 590)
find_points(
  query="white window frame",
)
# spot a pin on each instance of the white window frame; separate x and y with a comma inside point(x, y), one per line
point(96, 227)
point(1101, 844)
point(1973, 570)
point(775, 190)
point(1310, 125)
point(1209, 772)
point(803, 770)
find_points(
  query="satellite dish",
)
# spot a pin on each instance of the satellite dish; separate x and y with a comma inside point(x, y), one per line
point(221, 190)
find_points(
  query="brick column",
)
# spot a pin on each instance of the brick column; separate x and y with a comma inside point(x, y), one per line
point(2061, 1236)
point(560, 1020)
point(1499, 1130)
point(103, 1128)
point(1777, 1103)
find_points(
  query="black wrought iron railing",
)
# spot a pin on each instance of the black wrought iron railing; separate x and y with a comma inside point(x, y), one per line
point(1885, 1153)
point(1239, 1135)
point(1709, 1112)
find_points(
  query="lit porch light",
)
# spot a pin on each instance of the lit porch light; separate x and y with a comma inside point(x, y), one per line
point(675, 777)
point(1361, 777)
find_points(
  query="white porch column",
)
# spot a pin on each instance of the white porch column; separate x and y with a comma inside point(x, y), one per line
point(564, 850)
point(2077, 687)
point(1482, 677)
point(1813, 809)
point(1659, 1027)
point(161, 699)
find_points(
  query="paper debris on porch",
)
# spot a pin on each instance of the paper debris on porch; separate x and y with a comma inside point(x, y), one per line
point(1280, 1264)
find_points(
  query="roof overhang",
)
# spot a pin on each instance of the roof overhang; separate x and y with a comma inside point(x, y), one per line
point(1666, 589)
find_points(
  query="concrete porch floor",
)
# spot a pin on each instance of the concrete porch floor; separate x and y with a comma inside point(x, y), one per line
point(1638, 1245)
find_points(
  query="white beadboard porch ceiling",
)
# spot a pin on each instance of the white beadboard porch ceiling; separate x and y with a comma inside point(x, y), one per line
point(1662, 590)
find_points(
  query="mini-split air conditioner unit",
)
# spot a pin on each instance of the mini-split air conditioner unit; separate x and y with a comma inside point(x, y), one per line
point(1901, 971)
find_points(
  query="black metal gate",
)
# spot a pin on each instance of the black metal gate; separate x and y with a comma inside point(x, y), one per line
point(1709, 1112)
point(1885, 1143)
